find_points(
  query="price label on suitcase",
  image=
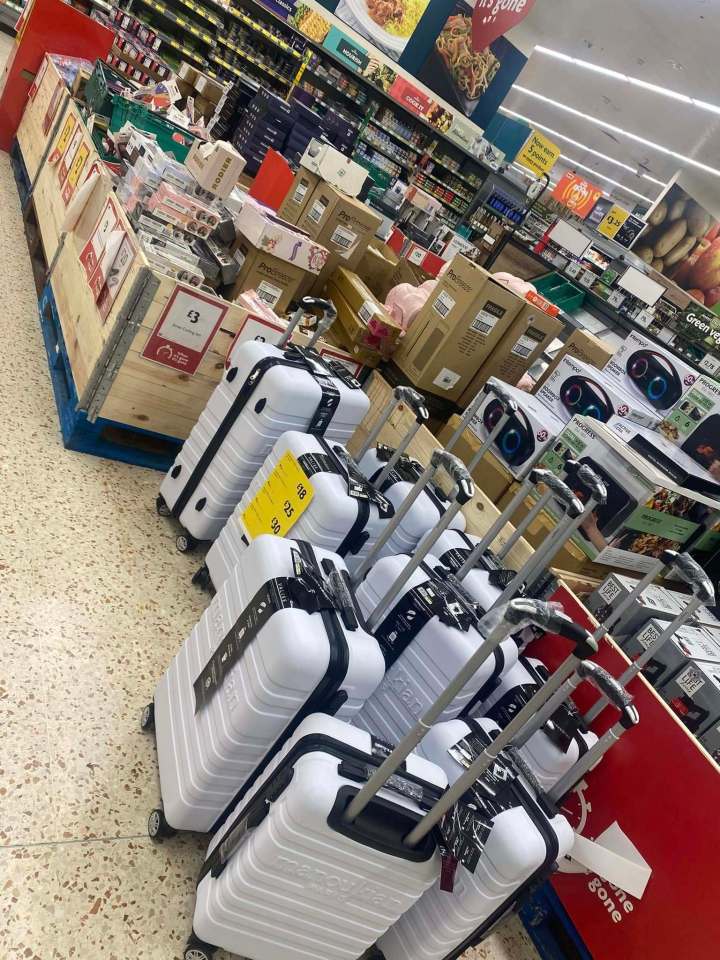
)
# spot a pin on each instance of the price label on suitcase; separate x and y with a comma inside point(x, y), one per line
point(281, 500)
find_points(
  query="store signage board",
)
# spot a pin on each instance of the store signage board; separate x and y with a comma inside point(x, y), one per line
point(538, 154)
point(115, 277)
point(492, 19)
point(640, 286)
point(76, 169)
point(565, 236)
point(284, 9)
point(93, 250)
point(63, 140)
point(613, 221)
point(630, 231)
point(410, 97)
point(577, 194)
point(346, 49)
point(185, 329)
point(69, 154)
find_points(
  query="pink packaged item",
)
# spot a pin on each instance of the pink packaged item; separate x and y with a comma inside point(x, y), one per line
point(518, 286)
point(405, 301)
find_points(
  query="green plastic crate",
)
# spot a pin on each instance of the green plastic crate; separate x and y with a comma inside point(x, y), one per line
point(555, 288)
point(379, 176)
point(102, 87)
point(172, 138)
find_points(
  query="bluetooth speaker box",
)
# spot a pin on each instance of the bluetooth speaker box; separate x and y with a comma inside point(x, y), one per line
point(687, 644)
point(694, 424)
point(582, 345)
point(650, 372)
point(491, 475)
point(693, 695)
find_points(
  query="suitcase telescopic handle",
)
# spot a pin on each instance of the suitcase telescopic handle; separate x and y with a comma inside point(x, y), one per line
point(587, 478)
point(703, 592)
point(462, 492)
point(418, 405)
point(495, 628)
point(307, 305)
point(508, 407)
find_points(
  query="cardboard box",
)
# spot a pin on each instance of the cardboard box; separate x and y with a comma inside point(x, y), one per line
point(645, 513)
point(583, 346)
point(334, 167)
point(298, 196)
point(650, 372)
point(260, 227)
point(364, 320)
point(520, 346)
point(377, 267)
point(216, 166)
point(276, 281)
point(688, 644)
point(655, 602)
point(464, 318)
point(526, 435)
point(340, 223)
point(576, 387)
point(406, 272)
point(693, 695)
point(490, 475)
point(694, 424)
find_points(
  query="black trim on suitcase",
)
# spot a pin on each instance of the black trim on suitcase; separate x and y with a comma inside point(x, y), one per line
point(456, 557)
point(327, 697)
point(294, 357)
point(406, 470)
point(255, 810)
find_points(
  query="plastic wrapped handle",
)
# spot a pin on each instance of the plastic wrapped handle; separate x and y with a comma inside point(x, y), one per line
point(611, 689)
point(457, 470)
point(693, 574)
point(414, 400)
point(560, 490)
point(587, 477)
point(329, 313)
point(497, 388)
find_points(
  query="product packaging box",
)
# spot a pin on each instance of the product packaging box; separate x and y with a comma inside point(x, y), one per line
point(298, 196)
point(406, 272)
point(650, 372)
point(645, 513)
point(525, 436)
point(584, 346)
point(656, 603)
point(260, 227)
point(340, 223)
point(694, 424)
point(464, 318)
point(334, 167)
point(577, 388)
point(491, 475)
point(364, 322)
point(523, 342)
point(275, 281)
point(688, 644)
point(710, 740)
point(376, 268)
point(216, 166)
point(693, 695)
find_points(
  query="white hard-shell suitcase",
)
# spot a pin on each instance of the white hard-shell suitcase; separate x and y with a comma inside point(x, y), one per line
point(281, 639)
point(266, 391)
point(514, 828)
point(329, 847)
point(345, 513)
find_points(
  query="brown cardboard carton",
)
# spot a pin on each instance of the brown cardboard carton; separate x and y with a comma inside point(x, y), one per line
point(523, 342)
point(340, 223)
point(406, 272)
point(336, 335)
point(583, 346)
point(569, 557)
point(298, 196)
point(491, 476)
point(376, 268)
point(367, 322)
point(465, 316)
point(276, 281)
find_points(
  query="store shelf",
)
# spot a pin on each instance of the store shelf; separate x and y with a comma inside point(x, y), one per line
point(315, 77)
point(431, 176)
point(267, 34)
point(186, 51)
point(179, 21)
point(385, 153)
point(246, 56)
point(201, 12)
point(396, 136)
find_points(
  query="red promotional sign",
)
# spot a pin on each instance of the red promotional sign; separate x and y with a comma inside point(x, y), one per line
point(410, 97)
point(185, 330)
point(662, 791)
point(577, 194)
point(493, 18)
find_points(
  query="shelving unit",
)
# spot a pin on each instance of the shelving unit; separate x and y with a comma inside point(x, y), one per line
point(246, 56)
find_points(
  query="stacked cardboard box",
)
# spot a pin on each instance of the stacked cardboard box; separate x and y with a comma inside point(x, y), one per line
point(364, 327)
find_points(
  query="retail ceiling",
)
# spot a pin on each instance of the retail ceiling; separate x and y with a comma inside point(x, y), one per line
point(670, 43)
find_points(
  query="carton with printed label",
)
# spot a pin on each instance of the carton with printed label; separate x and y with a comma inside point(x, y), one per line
point(216, 166)
point(340, 223)
point(365, 326)
point(463, 319)
point(584, 346)
point(687, 645)
point(650, 372)
point(575, 387)
point(694, 424)
point(329, 164)
point(298, 196)
point(259, 226)
point(645, 513)
point(656, 602)
point(693, 695)
point(528, 335)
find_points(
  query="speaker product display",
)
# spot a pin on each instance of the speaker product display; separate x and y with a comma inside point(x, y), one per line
point(650, 372)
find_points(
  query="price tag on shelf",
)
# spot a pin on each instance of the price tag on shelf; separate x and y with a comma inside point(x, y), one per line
point(280, 502)
point(574, 270)
point(181, 22)
point(710, 364)
point(587, 279)
point(616, 298)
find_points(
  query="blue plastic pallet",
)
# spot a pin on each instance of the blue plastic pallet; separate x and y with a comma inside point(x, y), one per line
point(550, 928)
point(104, 438)
point(20, 172)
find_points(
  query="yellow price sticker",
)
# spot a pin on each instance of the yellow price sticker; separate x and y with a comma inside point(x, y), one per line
point(612, 221)
point(281, 500)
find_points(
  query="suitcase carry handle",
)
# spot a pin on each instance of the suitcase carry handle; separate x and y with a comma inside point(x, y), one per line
point(495, 627)
point(324, 323)
point(703, 592)
point(417, 404)
point(461, 493)
point(509, 405)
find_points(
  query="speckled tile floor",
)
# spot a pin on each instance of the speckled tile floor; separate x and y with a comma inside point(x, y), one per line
point(94, 600)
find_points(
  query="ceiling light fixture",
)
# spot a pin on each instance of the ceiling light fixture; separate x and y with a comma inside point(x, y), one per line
point(634, 81)
point(624, 133)
point(582, 146)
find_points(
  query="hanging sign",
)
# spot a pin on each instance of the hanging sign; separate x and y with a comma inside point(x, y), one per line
point(613, 220)
point(185, 330)
point(577, 194)
point(538, 153)
point(493, 18)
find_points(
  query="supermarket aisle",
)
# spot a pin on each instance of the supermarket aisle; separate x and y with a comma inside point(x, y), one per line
point(94, 601)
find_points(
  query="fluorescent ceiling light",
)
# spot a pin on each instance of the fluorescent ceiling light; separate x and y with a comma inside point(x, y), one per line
point(600, 176)
point(583, 146)
point(634, 81)
point(624, 133)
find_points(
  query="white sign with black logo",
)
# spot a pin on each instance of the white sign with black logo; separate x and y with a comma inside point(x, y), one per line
point(609, 590)
point(647, 636)
point(443, 304)
point(690, 681)
point(446, 379)
point(417, 256)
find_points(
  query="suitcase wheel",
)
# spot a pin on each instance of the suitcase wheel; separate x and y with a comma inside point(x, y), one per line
point(163, 510)
point(147, 717)
point(185, 542)
point(201, 578)
point(196, 949)
point(158, 827)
